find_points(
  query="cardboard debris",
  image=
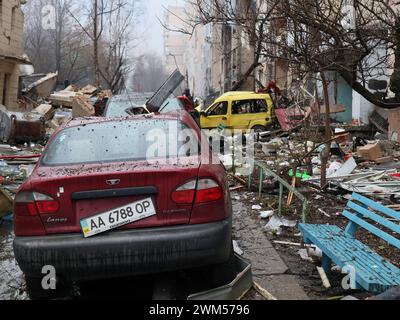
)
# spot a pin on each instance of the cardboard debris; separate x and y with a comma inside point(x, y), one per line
point(46, 110)
point(82, 108)
point(63, 98)
point(370, 152)
point(72, 88)
point(89, 90)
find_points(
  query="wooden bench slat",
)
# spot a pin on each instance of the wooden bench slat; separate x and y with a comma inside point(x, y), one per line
point(381, 234)
point(376, 206)
point(366, 213)
point(326, 233)
point(373, 272)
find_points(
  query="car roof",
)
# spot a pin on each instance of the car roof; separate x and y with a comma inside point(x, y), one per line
point(93, 120)
point(242, 95)
point(131, 96)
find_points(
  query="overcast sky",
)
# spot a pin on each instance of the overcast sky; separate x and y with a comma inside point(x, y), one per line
point(153, 29)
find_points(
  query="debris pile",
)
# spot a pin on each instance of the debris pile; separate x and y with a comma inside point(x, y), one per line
point(46, 109)
point(16, 165)
point(25, 134)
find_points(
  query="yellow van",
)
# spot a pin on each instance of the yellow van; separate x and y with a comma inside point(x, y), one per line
point(239, 110)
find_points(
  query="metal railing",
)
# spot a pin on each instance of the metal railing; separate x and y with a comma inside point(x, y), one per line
point(264, 172)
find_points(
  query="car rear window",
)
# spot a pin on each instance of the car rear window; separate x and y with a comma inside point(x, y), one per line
point(121, 141)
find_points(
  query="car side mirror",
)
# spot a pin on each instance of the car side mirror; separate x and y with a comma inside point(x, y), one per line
point(203, 113)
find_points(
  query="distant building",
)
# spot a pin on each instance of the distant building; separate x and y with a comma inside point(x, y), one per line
point(175, 42)
point(11, 50)
point(217, 56)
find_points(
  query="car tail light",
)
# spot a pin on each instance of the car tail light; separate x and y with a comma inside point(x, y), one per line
point(33, 203)
point(185, 193)
point(205, 190)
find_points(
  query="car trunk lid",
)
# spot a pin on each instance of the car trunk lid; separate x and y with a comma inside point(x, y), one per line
point(89, 190)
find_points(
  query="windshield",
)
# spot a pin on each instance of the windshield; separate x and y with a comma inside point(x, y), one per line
point(121, 141)
point(118, 105)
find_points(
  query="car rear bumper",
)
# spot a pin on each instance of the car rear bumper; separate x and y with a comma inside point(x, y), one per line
point(125, 253)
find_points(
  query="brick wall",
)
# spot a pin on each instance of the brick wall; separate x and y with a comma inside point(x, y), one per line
point(11, 34)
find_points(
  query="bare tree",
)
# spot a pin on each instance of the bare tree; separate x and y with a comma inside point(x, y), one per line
point(115, 64)
point(357, 39)
point(108, 27)
point(36, 39)
point(60, 49)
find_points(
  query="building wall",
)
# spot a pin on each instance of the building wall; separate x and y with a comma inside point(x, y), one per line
point(174, 42)
point(196, 59)
point(216, 56)
point(11, 49)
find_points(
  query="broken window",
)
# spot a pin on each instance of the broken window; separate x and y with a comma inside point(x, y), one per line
point(249, 107)
point(260, 106)
point(241, 107)
point(220, 109)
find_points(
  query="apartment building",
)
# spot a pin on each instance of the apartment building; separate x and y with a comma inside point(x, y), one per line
point(175, 42)
point(217, 55)
point(11, 50)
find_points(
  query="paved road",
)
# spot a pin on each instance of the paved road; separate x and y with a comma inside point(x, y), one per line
point(11, 279)
point(269, 269)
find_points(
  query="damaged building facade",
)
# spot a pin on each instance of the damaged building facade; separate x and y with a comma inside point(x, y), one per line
point(11, 51)
point(215, 56)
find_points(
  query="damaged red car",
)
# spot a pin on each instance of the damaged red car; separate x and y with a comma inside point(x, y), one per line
point(109, 198)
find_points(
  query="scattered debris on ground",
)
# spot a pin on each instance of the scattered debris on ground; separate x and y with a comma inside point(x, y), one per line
point(369, 167)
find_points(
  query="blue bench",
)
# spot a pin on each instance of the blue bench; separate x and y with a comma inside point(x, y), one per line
point(372, 272)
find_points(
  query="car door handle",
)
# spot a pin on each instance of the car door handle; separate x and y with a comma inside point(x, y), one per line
point(225, 118)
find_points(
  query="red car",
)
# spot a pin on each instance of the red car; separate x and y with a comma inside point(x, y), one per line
point(98, 206)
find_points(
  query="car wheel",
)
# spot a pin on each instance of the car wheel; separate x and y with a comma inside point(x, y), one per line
point(36, 292)
point(259, 129)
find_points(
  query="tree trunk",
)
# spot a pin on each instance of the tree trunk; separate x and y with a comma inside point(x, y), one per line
point(96, 44)
point(59, 31)
point(328, 133)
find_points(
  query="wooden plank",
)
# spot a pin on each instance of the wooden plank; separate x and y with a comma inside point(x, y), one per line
point(376, 206)
point(374, 230)
point(263, 292)
point(46, 110)
point(366, 213)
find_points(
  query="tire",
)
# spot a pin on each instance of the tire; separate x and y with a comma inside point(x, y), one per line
point(36, 292)
point(259, 129)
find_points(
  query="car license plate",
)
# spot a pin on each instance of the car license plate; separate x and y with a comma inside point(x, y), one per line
point(118, 217)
